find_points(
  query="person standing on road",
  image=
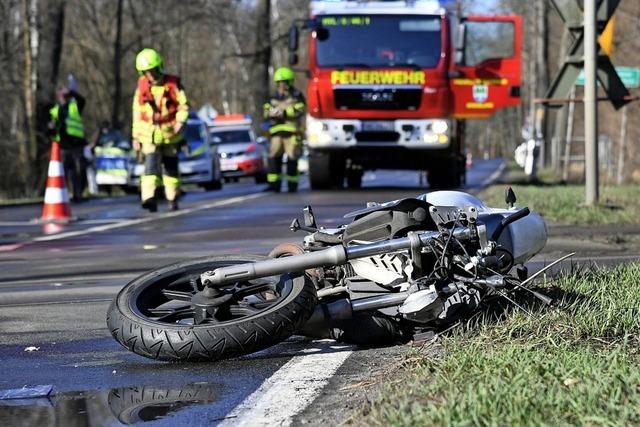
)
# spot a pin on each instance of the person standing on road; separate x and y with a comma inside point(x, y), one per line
point(160, 110)
point(66, 127)
point(285, 113)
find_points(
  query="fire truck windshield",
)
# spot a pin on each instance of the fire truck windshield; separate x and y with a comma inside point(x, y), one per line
point(368, 41)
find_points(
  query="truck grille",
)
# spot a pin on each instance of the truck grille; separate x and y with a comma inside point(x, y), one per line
point(377, 99)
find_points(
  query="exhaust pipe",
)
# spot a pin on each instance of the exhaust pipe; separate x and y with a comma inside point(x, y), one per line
point(326, 315)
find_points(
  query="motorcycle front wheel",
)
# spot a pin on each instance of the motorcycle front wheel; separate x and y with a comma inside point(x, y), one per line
point(166, 315)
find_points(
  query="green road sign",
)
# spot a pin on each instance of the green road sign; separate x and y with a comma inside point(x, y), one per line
point(630, 77)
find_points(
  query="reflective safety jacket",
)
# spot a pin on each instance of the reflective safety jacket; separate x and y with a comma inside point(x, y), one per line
point(292, 106)
point(72, 125)
point(157, 109)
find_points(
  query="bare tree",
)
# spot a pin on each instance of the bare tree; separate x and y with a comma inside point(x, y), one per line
point(117, 68)
point(262, 62)
point(30, 79)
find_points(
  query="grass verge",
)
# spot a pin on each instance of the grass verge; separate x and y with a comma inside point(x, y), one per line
point(573, 364)
point(564, 203)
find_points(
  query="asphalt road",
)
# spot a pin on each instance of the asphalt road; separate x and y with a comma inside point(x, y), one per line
point(55, 289)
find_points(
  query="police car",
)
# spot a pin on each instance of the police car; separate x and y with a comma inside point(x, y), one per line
point(198, 159)
point(113, 159)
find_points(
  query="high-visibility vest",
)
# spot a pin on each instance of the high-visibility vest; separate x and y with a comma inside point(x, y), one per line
point(157, 109)
point(292, 107)
point(73, 121)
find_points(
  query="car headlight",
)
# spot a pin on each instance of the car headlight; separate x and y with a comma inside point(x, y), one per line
point(439, 126)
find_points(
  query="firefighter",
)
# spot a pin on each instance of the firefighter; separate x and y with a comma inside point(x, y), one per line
point(66, 127)
point(160, 110)
point(285, 111)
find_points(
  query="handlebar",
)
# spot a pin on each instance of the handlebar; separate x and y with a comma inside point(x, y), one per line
point(508, 220)
point(332, 256)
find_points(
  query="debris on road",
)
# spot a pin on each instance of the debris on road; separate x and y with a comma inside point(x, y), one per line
point(31, 348)
point(26, 392)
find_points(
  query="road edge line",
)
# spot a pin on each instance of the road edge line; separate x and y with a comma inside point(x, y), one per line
point(494, 176)
point(290, 390)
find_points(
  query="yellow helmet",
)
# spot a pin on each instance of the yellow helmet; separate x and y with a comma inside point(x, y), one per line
point(284, 74)
point(148, 59)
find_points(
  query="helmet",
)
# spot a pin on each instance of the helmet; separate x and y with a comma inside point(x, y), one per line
point(148, 59)
point(284, 74)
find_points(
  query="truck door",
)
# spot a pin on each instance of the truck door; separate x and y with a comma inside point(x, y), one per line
point(486, 75)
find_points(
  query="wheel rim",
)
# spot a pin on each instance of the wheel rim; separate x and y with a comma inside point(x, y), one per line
point(180, 299)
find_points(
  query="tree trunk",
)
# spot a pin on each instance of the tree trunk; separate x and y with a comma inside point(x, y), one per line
point(58, 42)
point(263, 56)
point(117, 75)
point(30, 82)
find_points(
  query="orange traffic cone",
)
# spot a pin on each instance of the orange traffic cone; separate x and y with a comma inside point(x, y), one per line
point(56, 207)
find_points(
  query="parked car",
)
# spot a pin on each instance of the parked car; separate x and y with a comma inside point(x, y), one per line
point(113, 159)
point(198, 158)
point(240, 153)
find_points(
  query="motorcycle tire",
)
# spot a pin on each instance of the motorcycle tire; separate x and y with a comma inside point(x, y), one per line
point(131, 321)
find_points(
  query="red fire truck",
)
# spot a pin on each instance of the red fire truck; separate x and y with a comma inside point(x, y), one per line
point(392, 82)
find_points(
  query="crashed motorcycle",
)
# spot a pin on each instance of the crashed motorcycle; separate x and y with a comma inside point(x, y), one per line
point(395, 271)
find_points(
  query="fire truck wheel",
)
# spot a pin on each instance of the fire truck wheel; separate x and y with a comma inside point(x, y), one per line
point(446, 175)
point(354, 178)
point(326, 170)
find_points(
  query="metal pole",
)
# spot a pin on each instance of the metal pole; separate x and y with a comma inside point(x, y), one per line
point(623, 145)
point(590, 101)
point(569, 137)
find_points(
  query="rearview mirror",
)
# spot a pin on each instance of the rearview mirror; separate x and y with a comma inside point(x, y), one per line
point(293, 58)
point(461, 42)
point(262, 140)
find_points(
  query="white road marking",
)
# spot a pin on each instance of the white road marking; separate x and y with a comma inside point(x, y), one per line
point(37, 222)
point(91, 277)
point(494, 176)
point(99, 229)
point(290, 390)
point(9, 248)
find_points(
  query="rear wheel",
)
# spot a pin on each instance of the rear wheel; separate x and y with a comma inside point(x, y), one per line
point(105, 189)
point(213, 185)
point(261, 178)
point(166, 314)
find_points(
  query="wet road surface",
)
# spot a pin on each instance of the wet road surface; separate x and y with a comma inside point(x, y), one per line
point(55, 290)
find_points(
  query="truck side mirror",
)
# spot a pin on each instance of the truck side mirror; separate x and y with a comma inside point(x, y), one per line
point(293, 38)
point(461, 42)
